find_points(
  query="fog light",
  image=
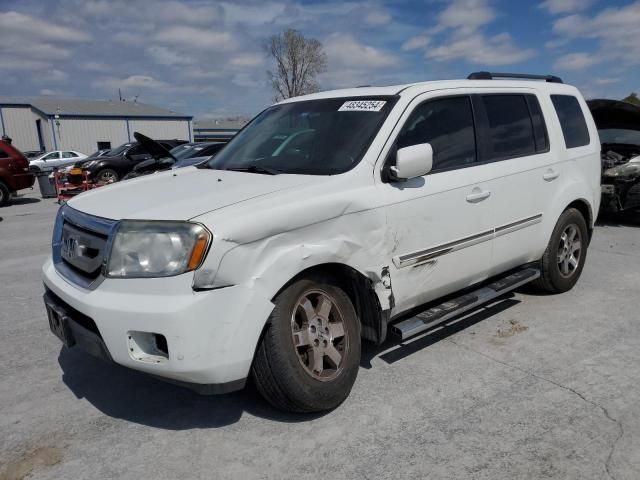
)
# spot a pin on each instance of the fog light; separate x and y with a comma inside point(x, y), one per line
point(148, 347)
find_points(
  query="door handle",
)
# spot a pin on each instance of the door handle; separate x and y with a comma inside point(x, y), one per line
point(478, 195)
point(550, 175)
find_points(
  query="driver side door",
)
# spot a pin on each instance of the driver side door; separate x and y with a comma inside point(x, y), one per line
point(440, 225)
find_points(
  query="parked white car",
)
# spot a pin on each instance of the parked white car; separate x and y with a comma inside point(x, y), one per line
point(330, 218)
point(55, 159)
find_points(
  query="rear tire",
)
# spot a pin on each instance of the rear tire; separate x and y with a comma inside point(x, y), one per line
point(309, 356)
point(5, 195)
point(564, 258)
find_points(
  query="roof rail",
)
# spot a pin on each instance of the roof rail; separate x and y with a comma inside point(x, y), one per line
point(523, 76)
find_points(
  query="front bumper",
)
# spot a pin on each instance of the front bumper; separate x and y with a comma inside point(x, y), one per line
point(211, 336)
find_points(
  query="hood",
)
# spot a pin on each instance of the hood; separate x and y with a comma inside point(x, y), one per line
point(614, 114)
point(152, 147)
point(181, 194)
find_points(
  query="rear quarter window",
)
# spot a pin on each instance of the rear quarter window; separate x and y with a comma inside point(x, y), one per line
point(572, 122)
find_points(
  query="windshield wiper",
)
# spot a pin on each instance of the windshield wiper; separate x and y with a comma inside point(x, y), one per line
point(255, 169)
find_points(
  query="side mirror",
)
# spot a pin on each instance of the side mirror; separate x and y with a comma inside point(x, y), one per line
point(413, 161)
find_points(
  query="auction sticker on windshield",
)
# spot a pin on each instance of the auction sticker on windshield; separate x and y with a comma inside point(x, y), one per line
point(362, 106)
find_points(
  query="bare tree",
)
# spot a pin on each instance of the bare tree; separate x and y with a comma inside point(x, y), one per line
point(298, 61)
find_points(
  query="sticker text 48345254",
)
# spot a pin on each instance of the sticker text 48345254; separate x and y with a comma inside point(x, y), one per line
point(362, 106)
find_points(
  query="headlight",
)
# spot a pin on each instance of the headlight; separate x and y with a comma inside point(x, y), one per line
point(157, 248)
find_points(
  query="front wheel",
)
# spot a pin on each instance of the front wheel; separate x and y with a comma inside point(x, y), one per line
point(107, 175)
point(564, 258)
point(309, 356)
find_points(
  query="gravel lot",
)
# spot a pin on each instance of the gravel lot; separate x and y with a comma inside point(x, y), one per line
point(530, 387)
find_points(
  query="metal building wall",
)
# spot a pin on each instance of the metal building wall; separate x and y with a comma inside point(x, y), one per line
point(83, 134)
point(20, 124)
point(162, 129)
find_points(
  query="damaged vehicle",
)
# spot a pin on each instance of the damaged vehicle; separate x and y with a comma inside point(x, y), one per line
point(618, 126)
point(162, 159)
point(330, 219)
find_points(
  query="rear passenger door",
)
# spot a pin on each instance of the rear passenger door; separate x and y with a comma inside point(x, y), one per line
point(514, 146)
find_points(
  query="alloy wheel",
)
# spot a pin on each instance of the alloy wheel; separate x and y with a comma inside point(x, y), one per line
point(319, 336)
point(569, 250)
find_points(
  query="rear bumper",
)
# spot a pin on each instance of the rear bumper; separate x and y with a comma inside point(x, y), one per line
point(21, 181)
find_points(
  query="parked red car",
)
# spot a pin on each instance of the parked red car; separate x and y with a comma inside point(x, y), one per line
point(14, 172)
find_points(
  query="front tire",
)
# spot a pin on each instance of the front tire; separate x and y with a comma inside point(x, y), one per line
point(107, 175)
point(309, 356)
point(566, 253)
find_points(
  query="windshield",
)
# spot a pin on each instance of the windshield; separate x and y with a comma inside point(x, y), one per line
point(120, 149)
point(620, 136)
point(181, 150)
point(315, 137)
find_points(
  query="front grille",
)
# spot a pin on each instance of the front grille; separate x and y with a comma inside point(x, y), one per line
point(83, 249)
point(80, 246)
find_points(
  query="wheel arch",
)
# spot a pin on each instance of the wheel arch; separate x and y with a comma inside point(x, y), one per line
point(360, 289)
point(584, 207)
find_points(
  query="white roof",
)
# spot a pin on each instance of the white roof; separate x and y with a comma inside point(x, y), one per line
point(413, 89)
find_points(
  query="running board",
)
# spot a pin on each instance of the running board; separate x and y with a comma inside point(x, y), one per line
point(443, 312)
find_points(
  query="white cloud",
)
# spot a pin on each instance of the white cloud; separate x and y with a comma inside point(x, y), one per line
point(54, 75)
point(10, 62)
point(344, 50)
point(248, 59)
point(133, 81)
point(615, 28)
point(556, 7)
point(200, 38)
point(415, 43)
point(166, 56)
point(48, 91)
point(606, 81)
point(14, 23)
point(466, 15)
point(576, 61)
point(462, 23)
point(94, 66)
point(129, 39)
point(478, 50)
point(377, 18)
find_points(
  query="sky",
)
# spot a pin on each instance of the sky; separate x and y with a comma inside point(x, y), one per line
point(205, 58)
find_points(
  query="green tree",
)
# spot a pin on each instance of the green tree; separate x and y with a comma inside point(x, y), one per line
point(632, 98)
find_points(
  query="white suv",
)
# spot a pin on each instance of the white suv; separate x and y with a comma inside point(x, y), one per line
point(326, 220)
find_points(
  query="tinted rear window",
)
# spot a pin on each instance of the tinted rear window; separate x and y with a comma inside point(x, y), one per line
point(510, 126)
point(574, 126)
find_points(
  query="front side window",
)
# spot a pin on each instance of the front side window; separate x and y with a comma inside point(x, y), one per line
point(510, 128)
point(446, 124)
point(315, 137)
point(52, 156)
point(572, 122)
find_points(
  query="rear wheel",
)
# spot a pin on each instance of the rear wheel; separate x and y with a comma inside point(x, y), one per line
point(309, 356)
point(564, 258)
point(5, 194)
point(107, 175)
